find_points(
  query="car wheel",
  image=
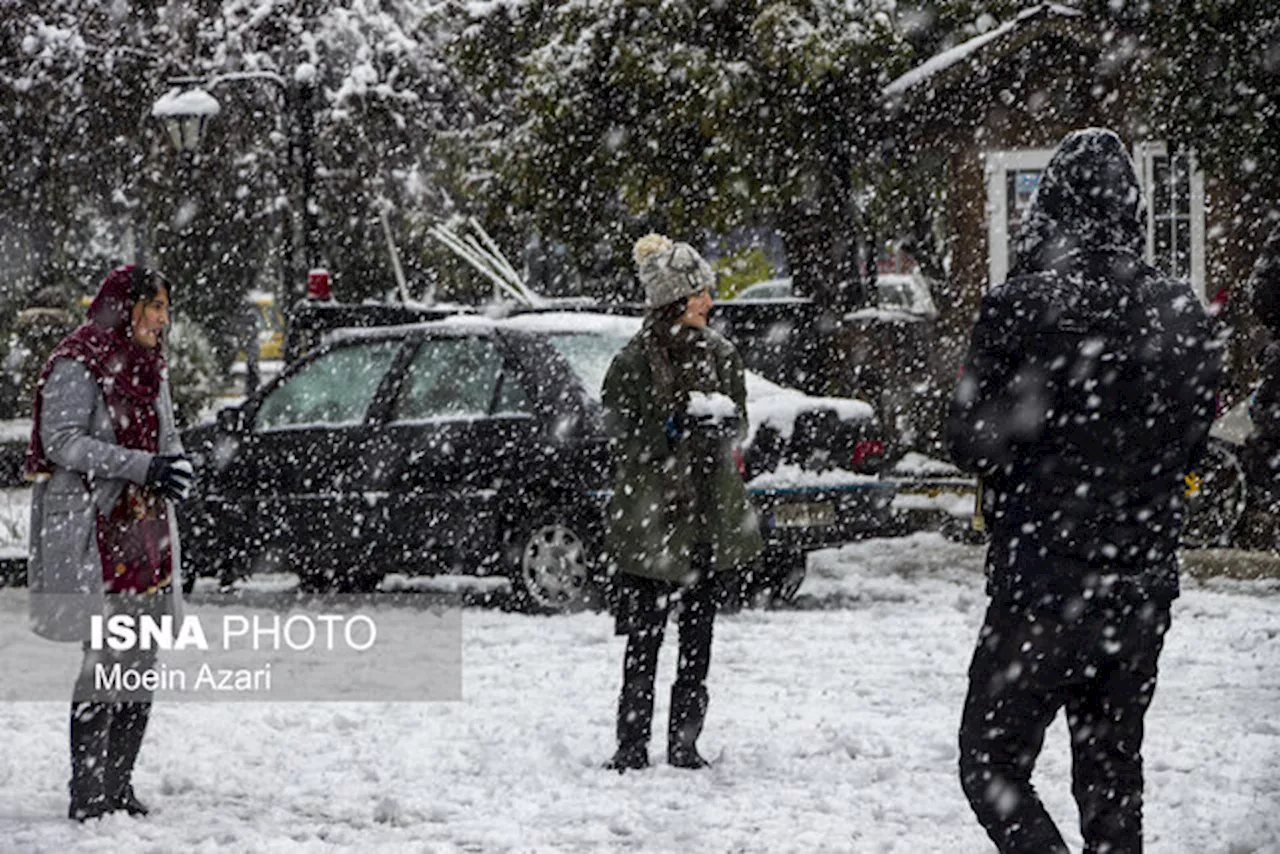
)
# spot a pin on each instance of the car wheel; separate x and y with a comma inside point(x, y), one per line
point(314, 581)
point(552, 565)
point(199, 561)
point(1214, 511)
point(788, 575)
point(360, 582)
point(771, 581)
point(782, 574)
point(210, 550)
point(323, 576)
point(961, 530)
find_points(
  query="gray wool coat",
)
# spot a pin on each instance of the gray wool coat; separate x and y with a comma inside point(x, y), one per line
point(64, 571)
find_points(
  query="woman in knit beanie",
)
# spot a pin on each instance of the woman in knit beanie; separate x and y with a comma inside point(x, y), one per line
point(675, 408)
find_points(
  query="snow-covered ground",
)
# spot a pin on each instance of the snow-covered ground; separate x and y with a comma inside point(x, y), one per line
point(15, 522)
point(832, 728)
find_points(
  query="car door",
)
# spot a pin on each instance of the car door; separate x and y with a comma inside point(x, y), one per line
point(310, 453)
point(458, 427)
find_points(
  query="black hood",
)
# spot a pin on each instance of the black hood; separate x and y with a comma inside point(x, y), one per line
point(1088, 201)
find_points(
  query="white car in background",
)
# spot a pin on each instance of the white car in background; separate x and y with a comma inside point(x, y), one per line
point(898, 293)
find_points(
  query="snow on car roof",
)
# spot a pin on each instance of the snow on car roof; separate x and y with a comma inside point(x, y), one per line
point(547, 322)
point(553, 322)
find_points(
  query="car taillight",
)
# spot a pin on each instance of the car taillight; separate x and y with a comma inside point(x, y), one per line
point(866, 448)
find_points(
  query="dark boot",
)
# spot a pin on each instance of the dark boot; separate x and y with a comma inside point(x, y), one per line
point(127, 801)
point(688, 711)
point(635, 723)
point(90, 729)
point(128, 725)
point(635, 704)
point(628, 759)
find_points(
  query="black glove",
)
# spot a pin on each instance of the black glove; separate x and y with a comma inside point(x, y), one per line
point(171, 476)
point(719, 426)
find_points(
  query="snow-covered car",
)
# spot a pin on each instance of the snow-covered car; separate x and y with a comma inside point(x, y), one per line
point(789, 340)
point(475, 446)
point(769, 289)
point(1232, 493)
point(905, 294)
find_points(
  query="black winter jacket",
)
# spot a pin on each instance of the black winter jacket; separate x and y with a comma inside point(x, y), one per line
point(1087, 394)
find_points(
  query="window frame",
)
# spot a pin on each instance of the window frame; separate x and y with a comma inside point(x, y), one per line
point(371, 407)
point(1144, 156)
point(997, 166)
point(510, 371)
point(998, 163)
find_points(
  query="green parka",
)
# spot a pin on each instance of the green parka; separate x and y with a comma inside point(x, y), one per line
point(651, 533)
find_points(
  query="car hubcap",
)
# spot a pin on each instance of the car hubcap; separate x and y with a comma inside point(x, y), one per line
point(554, 566)
point(789, 586)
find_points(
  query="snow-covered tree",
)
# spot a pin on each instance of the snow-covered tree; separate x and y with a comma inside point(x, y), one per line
point(1217, 74)
point(72, 81)
point(351, 126)
point(193, 371)
point(352, 82)
point(633, 114)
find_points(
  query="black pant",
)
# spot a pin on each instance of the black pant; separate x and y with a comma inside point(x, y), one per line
point(106, 729)
point(1101, 666)
point(688, 693)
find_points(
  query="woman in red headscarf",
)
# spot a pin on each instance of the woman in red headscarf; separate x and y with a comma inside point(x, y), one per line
point(107, 464)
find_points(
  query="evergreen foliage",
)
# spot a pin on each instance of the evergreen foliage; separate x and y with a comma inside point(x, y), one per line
point(90, 179)
point(634, 115)
point(561, 125)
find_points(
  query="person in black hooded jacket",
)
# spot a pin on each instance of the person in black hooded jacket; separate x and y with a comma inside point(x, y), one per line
point(1086, 398)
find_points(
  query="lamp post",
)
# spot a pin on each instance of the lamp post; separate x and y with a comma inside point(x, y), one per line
point(186, 113)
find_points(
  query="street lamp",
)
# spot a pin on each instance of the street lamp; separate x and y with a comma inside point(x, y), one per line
point(186, 114)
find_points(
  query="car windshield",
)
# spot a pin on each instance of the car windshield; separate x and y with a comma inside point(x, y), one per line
point(589, 355)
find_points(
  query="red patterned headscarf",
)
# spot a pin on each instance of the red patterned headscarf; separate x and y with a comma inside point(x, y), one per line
point(128, 373)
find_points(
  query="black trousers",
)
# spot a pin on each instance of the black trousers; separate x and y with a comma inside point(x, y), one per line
point(106, 730)
point(695, 619)
point(1098, 664)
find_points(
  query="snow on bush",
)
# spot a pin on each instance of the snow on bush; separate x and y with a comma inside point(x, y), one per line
point(193, 371)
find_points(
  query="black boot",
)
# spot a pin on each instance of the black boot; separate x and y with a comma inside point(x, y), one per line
point(128, 725)
point(688, 711)
point(90, 728)
point(127, 801)
point(628, 759)
point(635, 722)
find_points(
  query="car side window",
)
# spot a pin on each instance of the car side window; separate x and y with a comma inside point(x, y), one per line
point(458, 378)
point(334, 389)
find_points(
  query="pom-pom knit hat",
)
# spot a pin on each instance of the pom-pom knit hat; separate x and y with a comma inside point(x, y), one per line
point(670, 271)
